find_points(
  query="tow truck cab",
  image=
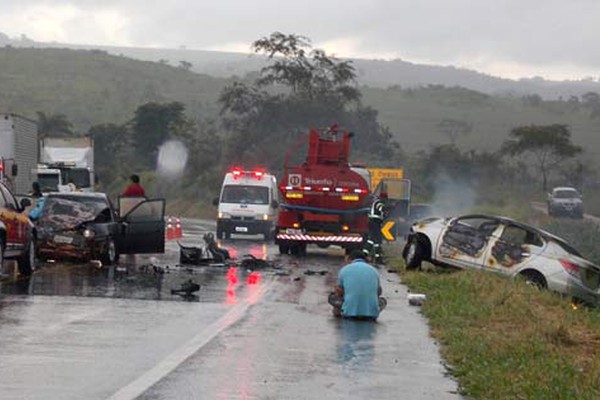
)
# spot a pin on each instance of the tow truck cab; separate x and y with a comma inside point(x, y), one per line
point(247, 204)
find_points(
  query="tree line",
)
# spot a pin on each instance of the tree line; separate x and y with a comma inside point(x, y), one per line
point(303, 88)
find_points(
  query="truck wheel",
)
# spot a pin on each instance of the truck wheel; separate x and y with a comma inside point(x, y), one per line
point(220, 233)
point(111, 255)
point(269, 235)
point(284, 248)
point(413, 254)
point(298, 249)
point(26, 263)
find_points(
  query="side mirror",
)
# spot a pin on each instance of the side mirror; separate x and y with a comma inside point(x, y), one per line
point(14, 170)
point(25, 202)
point(274, 204)
point(215, 201)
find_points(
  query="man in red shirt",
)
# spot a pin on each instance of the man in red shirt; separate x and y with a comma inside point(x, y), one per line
point(134, 189)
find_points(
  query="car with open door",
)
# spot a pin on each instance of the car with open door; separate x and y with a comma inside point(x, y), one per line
point(505, 246)
point(83, 226)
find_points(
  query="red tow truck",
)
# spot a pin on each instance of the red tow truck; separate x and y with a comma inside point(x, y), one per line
point(325, 200)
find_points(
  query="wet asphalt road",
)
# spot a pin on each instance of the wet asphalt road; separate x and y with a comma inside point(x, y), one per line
point(83, 332)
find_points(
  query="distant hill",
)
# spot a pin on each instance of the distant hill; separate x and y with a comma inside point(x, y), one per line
point(375, 73)
point(92, 87)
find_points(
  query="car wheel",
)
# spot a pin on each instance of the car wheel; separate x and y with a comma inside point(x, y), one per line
point(111, 255)
point(26, 263)
point(534, 278)
point(413, 254)
point(1, 254)
point(268, 235)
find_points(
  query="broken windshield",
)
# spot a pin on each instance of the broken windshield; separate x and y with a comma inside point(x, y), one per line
point(69, 212)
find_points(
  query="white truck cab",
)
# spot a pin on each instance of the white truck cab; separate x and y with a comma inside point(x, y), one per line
point(248, 204)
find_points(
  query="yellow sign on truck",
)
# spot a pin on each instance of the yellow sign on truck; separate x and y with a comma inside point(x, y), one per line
point(377, 174)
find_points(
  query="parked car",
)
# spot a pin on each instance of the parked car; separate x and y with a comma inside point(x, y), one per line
point(565, 201)
point(85, 226)
point(500, 244)
point(17, 233)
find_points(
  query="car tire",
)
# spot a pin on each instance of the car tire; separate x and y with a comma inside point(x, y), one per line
point(413, 256)
point(534, 278)
point(1, 253)
point(26, 262)
point(269, 234)
point(111, 255)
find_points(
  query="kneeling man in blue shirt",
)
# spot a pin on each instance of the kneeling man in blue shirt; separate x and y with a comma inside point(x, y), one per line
point(358, 289)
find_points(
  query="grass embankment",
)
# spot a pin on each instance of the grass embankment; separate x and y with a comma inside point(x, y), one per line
point(503, 339)
point(506, 340)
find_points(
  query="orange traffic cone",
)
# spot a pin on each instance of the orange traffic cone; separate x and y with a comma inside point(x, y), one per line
point(178, 228)
point(170, 231)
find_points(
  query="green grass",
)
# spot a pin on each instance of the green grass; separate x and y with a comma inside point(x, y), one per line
point(503, 339)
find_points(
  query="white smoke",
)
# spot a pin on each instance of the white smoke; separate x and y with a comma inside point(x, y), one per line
point(452, 197)
point(172, 158)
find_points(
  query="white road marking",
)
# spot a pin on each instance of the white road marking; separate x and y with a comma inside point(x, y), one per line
point(173, 360)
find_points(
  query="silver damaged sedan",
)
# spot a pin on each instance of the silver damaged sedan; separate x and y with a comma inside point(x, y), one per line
point(505, 246)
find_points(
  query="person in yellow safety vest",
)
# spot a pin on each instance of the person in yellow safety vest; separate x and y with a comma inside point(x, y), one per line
point(377, 214)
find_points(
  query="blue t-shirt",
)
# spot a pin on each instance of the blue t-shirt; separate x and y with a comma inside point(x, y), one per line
point(361, 283)
point(37, 210)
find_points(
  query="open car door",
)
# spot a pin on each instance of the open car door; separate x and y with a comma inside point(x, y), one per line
point(142, 226)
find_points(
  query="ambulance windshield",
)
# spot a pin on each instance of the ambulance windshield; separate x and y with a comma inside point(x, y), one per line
point(245, 194)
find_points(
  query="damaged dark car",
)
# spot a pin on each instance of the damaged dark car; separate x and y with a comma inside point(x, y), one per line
point(86, 227)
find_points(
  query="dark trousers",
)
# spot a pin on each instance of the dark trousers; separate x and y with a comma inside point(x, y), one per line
point(373, 245)
point(338, 301)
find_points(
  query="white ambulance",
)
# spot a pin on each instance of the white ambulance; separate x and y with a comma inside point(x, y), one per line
point(248, 204)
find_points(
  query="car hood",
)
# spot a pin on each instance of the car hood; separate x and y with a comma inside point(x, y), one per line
point(65, 214)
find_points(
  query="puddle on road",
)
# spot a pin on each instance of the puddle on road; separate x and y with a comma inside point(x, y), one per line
point(143, 277)
point(153, 277)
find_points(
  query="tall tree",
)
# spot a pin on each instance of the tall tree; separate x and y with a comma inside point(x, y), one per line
point(153, 124)
point(548, 146)
point(55, 125)
point(301, 88)
point(453, 128)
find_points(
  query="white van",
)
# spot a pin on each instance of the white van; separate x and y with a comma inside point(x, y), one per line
point(247, 204)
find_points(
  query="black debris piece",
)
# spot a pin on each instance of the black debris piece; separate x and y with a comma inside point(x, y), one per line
point(187, 289)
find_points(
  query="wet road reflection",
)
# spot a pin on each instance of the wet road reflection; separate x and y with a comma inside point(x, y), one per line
point(119, 333)
point(356, 347)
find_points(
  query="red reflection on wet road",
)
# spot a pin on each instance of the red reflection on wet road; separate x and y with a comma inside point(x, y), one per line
point(232, 281)
point(253, 278)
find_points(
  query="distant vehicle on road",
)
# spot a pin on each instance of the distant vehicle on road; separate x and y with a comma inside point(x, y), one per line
point(499, 244)
point(565, 201)
point(85, 226)
point(17, 233)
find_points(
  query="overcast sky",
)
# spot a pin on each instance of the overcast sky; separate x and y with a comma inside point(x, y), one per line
point(555, 39)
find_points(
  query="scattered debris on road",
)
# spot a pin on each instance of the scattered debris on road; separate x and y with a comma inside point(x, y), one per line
point(416, 299)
